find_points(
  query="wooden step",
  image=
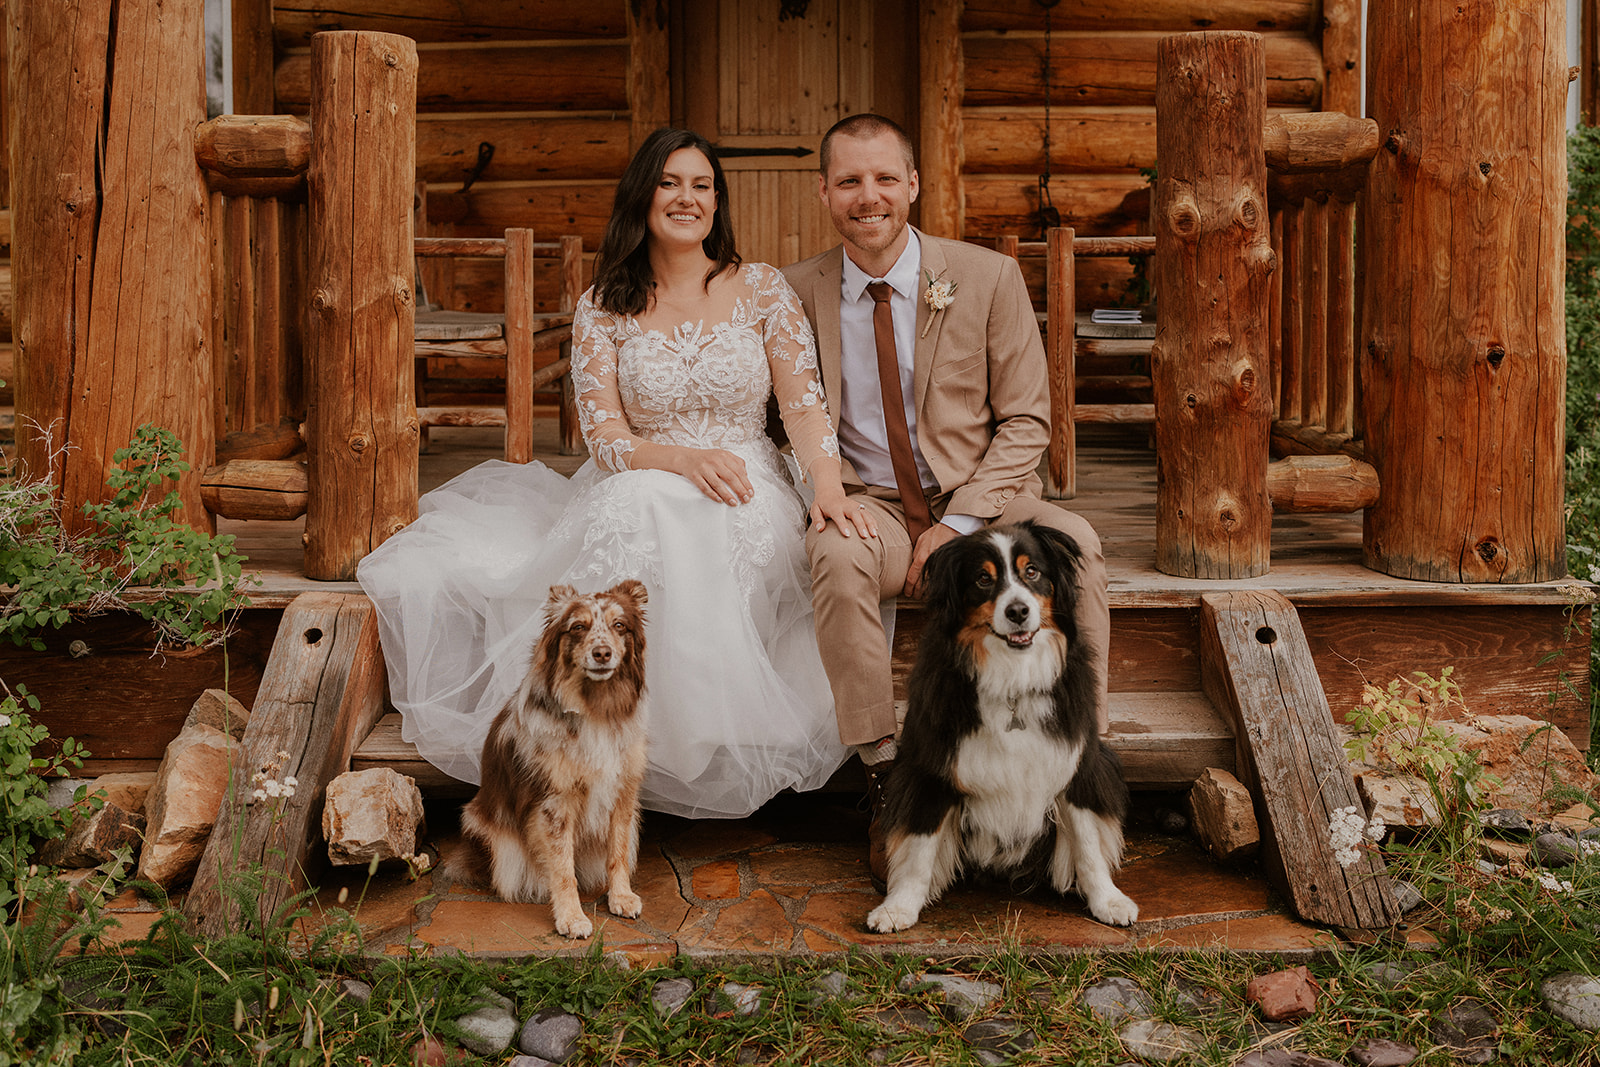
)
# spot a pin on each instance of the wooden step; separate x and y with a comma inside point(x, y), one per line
point(1165, 740)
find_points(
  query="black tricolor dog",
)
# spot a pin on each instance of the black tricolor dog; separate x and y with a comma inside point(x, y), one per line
point(1000, 765)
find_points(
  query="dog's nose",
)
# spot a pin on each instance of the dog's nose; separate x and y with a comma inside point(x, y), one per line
point(601, 654)
point(1017, 612)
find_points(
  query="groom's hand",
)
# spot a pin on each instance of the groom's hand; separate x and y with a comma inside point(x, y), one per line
point(931, 538)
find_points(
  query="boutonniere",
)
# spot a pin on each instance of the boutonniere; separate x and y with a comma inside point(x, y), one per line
point(939, 295)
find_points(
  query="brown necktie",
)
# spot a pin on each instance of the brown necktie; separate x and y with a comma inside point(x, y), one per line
point(906, 478)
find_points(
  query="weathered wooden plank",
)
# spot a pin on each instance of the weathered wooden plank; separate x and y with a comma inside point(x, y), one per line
point(576, 207)
point(322, 692)
point(1110, 69)
point(1170, 16)
point(1090, 203)
point(1086, 139)
point(498, 76)
point(295, 22)
point(1257, 666)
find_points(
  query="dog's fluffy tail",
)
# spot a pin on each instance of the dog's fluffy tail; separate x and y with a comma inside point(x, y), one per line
point(466, 864)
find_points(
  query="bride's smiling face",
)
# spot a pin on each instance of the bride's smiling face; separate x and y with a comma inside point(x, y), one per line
point(685, 200)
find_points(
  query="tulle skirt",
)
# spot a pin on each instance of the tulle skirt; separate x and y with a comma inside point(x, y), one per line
point(738, 706)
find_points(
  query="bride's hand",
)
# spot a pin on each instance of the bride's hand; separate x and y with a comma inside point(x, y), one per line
point(845, 513)
point(718, 474)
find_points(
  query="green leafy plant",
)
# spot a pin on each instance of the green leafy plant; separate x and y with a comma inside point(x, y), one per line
point(1583, 370)
point(135, 542)
point(26, 819)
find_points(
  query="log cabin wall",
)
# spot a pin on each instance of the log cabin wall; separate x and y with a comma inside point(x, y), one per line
point(539, 91)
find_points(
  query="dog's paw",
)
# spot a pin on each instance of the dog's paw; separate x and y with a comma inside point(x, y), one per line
point(1115, 908)
point(575, 925)
point(627, 905)
point(887, 918)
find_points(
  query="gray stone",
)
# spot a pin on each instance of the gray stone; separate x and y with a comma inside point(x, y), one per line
point(670, 995)
point(1554, 850)
point(1192, 997)
point(527, 1061)
point(1574, 998)
point(1381, 1052)
point(959, 998)
point(1591, 834)
point(1489, 868)
point(1406, 895)
point(739, 998)
point(354, 990)
point(989, 1057)
point(905, 1020)
point(1505, 822)
point(830, 986)
point(550, 1035)
point(1391, 975)
point(1282, 1057)
point(1467, 1031)
point(1001, 1035)
point(489, 1030)
point(59, 793)
point(1160, 1042)
point(1115, 999)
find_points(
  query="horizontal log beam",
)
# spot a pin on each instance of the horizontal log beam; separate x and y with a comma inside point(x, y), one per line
point(1110, 69)
point(525, 149)
point(271, 187)
point(1009, 141)
point(1114, 413)
point(254, 146)
point(257, 489)
point(1343, 185)
point(1168, 16)
point(278, 441)
point(1292, 439)
point(295, 22)
point(576, 207)
point(1095, 203)
point(517, 77)
point(1324, 484)
point(1317, 142)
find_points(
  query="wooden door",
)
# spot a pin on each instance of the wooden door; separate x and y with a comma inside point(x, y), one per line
point(764, 88)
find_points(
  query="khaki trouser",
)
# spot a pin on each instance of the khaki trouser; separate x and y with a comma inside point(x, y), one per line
point(850, 575)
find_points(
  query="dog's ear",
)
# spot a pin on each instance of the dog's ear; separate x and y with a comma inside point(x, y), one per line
point(1065, 556)
point(631, 589)
point(940, 580)
point(560, 597)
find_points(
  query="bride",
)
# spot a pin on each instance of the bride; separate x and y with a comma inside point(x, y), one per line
point(677, 348)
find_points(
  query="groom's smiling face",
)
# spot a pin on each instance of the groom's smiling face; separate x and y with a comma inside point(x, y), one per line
point(868, 191)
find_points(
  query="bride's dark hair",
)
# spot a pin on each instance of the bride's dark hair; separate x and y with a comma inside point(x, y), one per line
point(622, 274)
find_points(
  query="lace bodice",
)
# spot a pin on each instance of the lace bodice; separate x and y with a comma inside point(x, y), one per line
point(702, 386)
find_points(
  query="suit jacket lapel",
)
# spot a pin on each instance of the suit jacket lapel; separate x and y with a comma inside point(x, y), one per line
point(933, 262)
point(825, 299)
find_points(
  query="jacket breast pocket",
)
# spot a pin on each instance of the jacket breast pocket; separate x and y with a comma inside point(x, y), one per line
point(974, 366)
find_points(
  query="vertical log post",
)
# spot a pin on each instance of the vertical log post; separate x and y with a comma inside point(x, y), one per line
point(1061, 340)
point(519, 346)
point(1213, 267)
point(112, 317)
point(361, 426)
point(1464, 361)
point(1341, 91)
point(942, 79)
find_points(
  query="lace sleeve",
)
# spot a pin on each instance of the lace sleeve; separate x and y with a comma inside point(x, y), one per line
point(594, 381)
point(792, 355)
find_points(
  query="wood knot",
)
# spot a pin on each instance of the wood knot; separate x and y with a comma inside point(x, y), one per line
point(1484, 168)
point(358, 443)
point(1190, 400)
point(1488, 549)
point(1183, 217)
point(321, 300)
point(1496, 354)
point(1246, 210)
point(390, 59)
point(1394, 142)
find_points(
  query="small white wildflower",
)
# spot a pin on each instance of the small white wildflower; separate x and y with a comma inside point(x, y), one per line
point(5, 720)
point(421, 861)
point(1376, 828)
point(1554, 884)
point(1589, 846)
point(287, 789)
point(259, 777)
point(290, 780)
point(282, 755)
point(272, 788)
point(259, 794)
point(1346, 831)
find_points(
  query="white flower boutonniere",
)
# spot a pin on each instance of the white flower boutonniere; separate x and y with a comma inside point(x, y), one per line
point(939, 296)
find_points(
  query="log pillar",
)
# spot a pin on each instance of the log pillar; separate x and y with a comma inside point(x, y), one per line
point(1213, 267)
point(113, 294)
point(1463, 332)
point(361, 425)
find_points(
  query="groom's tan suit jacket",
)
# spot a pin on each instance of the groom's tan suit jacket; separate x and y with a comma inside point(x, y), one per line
point(981, 393)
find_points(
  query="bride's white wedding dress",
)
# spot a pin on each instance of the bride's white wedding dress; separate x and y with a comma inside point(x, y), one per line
point(738, 705)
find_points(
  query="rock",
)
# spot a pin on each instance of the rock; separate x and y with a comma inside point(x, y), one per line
point(371, 814)
point(218, 710)
point(1468, 1032)
point(126, 789)
point(84, 883)
point(670, 995)
point(959, 998)
point(830, 986)
point(1001, 1034)
point(1528, 756)
point(488, 1030)
point(1381, 1052)
point(183, 803)
point(429, 1051)
point(1282, 995)
point(1505, 822)
point(1397, 799)
point(1160, 1042)
point(905, 1020)
point(1224, 815)
point(1196, 999)
point(1406, 895)
point(1173, 822)
point(527, 1061)
point(1282, 1057)
point(737, 998)
point(1115, 999)
point(61, 792)
point(1574, 998)
point(95, 838)
point(1554, 850)
point(551, 1035)
point(1486, 867)
point(354, 990)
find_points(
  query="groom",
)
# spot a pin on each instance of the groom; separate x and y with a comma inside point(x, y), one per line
point(956, 324)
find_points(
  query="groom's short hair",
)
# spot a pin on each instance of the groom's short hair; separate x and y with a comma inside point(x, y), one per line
point(866, 125)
